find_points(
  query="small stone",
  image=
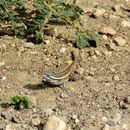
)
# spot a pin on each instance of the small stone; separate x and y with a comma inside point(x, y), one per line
point(125, 127)
point(123, 105)
point(29, 45)
point(128, 100)
point(2, 64)
point(62, 50)
point(63, 95)
point(36, 120)
point(47, 41)
point(116, 119)
point(80, 70)
point(120, 41)
point(104, 37)
point(54, 123)
point(106, 127)
point(107, 53)
point(107, 84)
point(118, 7)
point(48, 112)
point(116, 78)
point(75, 118)
point(111, 46)
point(108, 30)
point(10, 127)
point(104, 119)
point(3, 78)
point(112, 69)
point(125, 24)
point(98, 12)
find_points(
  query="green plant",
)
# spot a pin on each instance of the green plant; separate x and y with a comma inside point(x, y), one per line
point(20, 102)
point(86, 39)
point(45, 11)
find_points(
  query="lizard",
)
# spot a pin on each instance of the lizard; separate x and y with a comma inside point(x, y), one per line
point(60, 77)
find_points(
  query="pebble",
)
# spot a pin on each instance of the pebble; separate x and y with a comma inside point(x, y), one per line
point(98, 12)
point(120, 41)
point(75, 118)
point(104, 37)
point(2, 63)
point(46, 41)
point(112, 69)
point(29, 45)
point(111, 46)
point(128, 100)
point(3, 78)
point(104, 119)
point(36, 120)
point(108, 30)
point(116, 119)
point(80, 71)
point(63, 95)
point(107, 53)
point(125, 24)
point(116, 78)
point(63, 49)
point(118, 7)
point(10, 127)
point(54, 123)
point(125, 127)
point(48, 112)
point(106, 127)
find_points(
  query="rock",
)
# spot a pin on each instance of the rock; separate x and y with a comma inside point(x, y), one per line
point(48, 112)
point(46, 41)
point(63, 95)
point(120, 41)
point(112, 69)
point(54, 123)
point(106, 127)
point(104, 37)
point(125, 127)
point(75, 118)
point(80, 70)
point(104, 119)
point(126, 24)
point(128, 100)
point(10, 127)
point(111, 46)
point(98, 12)
point(29, 45)
point(107, 53)
point(123, 105)
point(118, 7)
point(116, 78)
point(2, 63)
point(108, 30)
point(36, 120)
point(63, 49)
point(116, 119)
point(3, 78)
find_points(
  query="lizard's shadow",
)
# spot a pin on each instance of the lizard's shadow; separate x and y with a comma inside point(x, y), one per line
point(42, 85)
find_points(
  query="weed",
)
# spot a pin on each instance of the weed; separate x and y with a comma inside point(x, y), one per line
point(20, 102)
point(45, 11)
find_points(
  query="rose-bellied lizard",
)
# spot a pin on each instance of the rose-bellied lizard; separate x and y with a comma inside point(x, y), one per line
point(60, 77)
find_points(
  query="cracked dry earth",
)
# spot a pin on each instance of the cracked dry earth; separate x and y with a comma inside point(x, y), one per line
point(97, 97)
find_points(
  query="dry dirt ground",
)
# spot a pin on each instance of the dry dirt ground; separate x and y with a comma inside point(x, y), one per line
point(97, 98)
